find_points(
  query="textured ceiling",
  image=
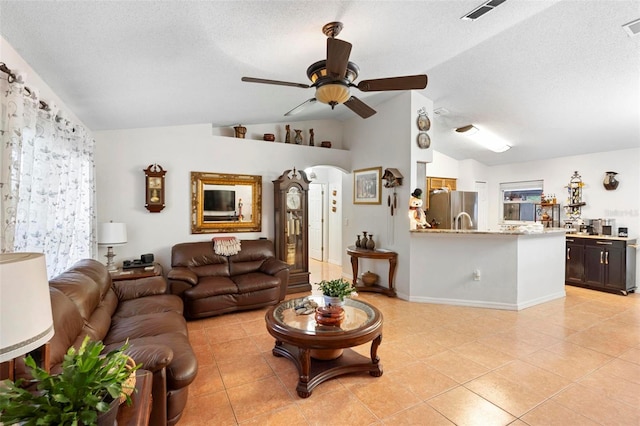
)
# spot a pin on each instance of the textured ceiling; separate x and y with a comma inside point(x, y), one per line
point(552, 77)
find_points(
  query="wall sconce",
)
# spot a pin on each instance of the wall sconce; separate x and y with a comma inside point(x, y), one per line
point(484, 138)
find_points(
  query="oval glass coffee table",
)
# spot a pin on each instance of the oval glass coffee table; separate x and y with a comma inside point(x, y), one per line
point(321, 352)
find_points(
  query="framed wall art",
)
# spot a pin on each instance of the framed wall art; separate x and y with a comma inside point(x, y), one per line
point(366, 186)
point(225, 203)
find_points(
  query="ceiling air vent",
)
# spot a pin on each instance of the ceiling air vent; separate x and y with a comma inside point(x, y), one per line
point(632, 28)
point(482, 9)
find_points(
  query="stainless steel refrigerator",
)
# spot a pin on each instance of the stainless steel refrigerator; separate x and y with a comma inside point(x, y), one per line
point(446, 206)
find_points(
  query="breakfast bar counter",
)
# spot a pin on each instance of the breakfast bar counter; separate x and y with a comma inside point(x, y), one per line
point(509, 270)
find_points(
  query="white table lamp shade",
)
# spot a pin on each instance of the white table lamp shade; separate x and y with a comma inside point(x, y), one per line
point(112, 234)
point(26, 322)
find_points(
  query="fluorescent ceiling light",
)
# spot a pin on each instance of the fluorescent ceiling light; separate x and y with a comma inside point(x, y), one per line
point(484, 138)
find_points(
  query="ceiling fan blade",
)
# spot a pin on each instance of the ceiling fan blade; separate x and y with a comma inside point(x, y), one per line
point(279, 83)
point(301, 107)
point(410, 82)
point(338, 52)
point(359, 107)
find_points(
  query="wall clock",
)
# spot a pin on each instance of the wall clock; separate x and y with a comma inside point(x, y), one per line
point(154, 188)
point(424, 123)
point(424, 141)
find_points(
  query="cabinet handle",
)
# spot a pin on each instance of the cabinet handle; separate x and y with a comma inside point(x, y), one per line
point(608, 243)
point(606, 258)
point(601, 254)
point(568, 253)
point(569, 241)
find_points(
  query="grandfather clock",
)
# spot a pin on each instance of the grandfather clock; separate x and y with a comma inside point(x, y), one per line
point(291, 226)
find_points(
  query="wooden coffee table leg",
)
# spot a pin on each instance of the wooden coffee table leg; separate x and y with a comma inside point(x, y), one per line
point(376, 370)
point(304, 357)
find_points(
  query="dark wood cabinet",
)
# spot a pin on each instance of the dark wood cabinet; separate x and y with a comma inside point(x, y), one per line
point(574, 271)
point(291, 226)
point(601, 264)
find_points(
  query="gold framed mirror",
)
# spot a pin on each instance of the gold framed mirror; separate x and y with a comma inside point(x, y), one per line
point(225, 203)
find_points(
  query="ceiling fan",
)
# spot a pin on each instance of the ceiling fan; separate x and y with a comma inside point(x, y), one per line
point(334, 76)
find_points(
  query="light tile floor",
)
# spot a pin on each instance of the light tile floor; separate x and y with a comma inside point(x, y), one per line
point(574, 361)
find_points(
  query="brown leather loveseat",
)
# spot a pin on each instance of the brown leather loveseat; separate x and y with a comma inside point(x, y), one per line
point(85, 301)
point(212, 284)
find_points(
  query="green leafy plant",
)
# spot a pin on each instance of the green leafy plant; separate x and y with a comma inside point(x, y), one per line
point(336, 288)
point(85, 387)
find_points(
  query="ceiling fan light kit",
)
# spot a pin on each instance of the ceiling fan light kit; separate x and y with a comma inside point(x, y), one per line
point(334, 76)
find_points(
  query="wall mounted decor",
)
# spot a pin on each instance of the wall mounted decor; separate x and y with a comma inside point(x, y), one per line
point(366, 186)
point(610, 182)
point(154, 188)
point(574, 205)
point(423, 121)
point(225, 203)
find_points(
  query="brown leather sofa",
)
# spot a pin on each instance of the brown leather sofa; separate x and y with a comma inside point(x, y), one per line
point(212, 284)
point(85, 301)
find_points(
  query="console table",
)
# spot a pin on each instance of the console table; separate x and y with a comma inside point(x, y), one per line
point(357, 253)
point(136, 273)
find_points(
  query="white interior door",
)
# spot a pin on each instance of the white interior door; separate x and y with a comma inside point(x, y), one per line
point(316, 207)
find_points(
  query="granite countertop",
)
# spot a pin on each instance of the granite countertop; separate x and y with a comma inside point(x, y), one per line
point(546, 231)
point(600, 237)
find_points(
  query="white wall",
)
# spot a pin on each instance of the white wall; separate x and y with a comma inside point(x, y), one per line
point(382, 140)
point(623, 204)
point(121, 156)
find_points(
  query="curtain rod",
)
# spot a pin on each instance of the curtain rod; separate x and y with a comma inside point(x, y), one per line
point(11, 77)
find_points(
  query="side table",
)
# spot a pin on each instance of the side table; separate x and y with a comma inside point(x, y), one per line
point(137, 414)
point(357, 253)
point(135, 273)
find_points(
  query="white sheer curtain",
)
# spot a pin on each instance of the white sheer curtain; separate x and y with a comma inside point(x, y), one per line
point(48, 181)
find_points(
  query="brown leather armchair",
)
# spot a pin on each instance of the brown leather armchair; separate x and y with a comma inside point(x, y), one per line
point(212, 284)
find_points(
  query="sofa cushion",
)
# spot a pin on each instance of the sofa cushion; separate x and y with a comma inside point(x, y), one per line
point(250, 257)
point(211, 286)
point(200, 258)
point(68, 325)
point(124, 328)
point(81, 289)
point(254, 281)
point(149, 305)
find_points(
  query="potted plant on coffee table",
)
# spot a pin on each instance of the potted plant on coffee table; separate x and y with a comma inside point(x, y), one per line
point(334, 291)
point(88, 385)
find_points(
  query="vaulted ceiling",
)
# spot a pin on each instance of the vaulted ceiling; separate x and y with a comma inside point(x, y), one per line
point(552, 77)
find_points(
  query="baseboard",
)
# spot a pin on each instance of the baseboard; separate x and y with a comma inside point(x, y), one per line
point(490, 305)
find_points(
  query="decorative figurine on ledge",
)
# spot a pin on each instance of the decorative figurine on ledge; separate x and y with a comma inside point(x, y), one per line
point(417, 217)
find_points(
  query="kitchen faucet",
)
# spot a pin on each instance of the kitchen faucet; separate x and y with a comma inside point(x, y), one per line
point(458, 218)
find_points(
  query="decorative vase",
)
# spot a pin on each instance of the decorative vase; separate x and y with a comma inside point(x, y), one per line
point(108, 418)
point(311, 138)
point(298, 137)
point(331, 315)
point(333, 301)
point(610, 182)
point(240, 131)
point(363, 244)
point(370, 243)
point(358, 242)
point(369, 278)
point(287, 136)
